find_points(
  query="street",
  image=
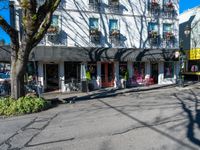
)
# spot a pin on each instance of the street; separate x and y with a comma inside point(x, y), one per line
point(163, 119)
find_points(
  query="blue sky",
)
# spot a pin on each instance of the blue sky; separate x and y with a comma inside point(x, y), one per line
point(186, 4)
point(4, 12)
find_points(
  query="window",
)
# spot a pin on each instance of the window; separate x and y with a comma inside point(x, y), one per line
point(113, 24)
point(167, 27)
point(54, 21)
point(93, 23)
point(123, 70)
point(153, 26)
point(168, 70)
point(139, 69)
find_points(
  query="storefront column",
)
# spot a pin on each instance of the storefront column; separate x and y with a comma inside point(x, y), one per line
point(116, 73)
point(147, 69)
point(61, 77)
point(130, 69)
point(160, 72)
point(99, 74)
point(41, 75)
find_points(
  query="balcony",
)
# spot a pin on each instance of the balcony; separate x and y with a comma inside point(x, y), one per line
point(168, 36)
point(94, 4)
point(114, 33)
point(169, 6)
point(154, 7)
point(53, 30)
point(154, 38)
point(95, 35)
point(114, 5)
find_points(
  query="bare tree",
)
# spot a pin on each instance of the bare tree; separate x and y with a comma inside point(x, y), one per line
point(35, 22)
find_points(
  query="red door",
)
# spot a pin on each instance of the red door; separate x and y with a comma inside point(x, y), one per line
point(107, 74)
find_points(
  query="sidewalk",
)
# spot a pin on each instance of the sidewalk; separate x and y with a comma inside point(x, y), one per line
point(108, 92)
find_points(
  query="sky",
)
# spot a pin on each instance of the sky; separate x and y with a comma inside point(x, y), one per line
point(187, 4)
point(4, 12)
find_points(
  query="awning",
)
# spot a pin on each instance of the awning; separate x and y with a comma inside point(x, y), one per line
point(101, 54)
point(77, 54)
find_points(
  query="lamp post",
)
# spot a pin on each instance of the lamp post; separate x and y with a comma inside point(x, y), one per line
point(182, 57)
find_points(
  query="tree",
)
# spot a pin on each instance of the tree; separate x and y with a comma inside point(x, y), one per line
point(35, 22)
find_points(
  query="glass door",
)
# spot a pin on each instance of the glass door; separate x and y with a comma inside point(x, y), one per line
point(107, 74)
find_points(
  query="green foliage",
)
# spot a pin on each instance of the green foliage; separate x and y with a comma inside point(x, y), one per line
point(24, 105)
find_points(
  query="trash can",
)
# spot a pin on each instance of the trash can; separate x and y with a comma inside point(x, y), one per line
point(84, 86)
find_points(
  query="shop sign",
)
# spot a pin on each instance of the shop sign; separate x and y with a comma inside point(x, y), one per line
point(194, 54)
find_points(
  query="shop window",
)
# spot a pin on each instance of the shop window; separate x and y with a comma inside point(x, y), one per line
point(139, 69)
point(92, 68)
point(168, 70)
point(72, 71)
point(194, 66)
point(123, 70)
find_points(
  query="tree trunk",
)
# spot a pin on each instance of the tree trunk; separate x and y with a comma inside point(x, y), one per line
point(17, 78)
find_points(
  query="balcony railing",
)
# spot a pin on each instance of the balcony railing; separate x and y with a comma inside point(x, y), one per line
point(114, 33)
point(153, 34)
point(168, 6)
point(154, 38)
point(94, 4)
point(154, 7)
point(114, 5)
point(53, 30)
point(168, 36)
point(95, 35)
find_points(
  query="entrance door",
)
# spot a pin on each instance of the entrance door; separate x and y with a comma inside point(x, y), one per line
point(107, 74)
point(52, 82)
point(154, 72)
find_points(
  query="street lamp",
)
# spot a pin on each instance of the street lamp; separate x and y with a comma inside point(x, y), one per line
point(182, 57)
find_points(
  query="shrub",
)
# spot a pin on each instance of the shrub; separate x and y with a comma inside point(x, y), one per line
point(23, 105)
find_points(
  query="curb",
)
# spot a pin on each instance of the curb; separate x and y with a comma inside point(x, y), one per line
point(104, 95)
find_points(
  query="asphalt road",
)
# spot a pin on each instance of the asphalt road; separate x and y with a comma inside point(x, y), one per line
point(165, 119)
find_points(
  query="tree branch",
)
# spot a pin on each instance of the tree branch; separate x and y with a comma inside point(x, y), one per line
point(44, 19)
point(11, 32)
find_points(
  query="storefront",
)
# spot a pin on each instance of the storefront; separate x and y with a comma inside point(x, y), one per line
point(104, 67)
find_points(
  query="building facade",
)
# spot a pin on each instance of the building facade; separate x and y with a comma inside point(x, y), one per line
point(191, 42)
point(108, 41)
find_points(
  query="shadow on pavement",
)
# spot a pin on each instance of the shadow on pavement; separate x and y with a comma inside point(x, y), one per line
point(192, 119)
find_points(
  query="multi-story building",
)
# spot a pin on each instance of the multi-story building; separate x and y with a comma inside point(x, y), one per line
point(191, 42)
point(112, 40)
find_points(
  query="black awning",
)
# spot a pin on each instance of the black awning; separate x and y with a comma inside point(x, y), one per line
point(101, 54)
point(77, 54)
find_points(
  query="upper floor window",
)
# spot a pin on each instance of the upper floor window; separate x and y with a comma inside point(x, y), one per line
point(113, 24)
point(167, 27)
point(54, 27)
point(94, 23)
point(54, 21)
point(168, 31)
point(94, 30)
point(153, 31)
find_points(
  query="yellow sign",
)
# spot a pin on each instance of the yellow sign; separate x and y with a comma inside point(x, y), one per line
point(194, 54)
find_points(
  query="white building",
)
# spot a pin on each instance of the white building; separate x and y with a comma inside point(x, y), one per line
point(191, 43)
point(109, 38)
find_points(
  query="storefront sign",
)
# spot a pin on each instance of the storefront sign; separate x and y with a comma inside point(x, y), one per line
point(194, 54)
